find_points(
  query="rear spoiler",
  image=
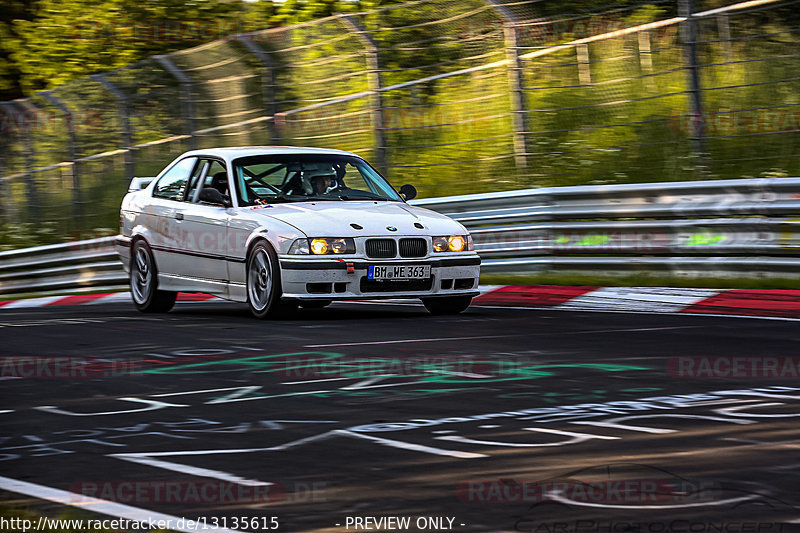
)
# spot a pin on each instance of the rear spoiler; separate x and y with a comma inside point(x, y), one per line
point(137, 184)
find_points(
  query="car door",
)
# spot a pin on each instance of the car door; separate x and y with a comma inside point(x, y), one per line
point(165, 210)
point(204, 227)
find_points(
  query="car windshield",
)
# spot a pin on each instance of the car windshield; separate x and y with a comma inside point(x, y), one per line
point(302, 177)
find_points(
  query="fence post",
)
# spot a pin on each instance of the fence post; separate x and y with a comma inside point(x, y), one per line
point(645, 54)
point(724, 29)
point(187, 101)
point(72, 151)
point(518, 115)
point(5, 196)
point(28, 123)
point(267, 81)
point(127, 127)
point(374, 85)
point(689, 38)
point(5, 188)
point(584, 68)
point(646, 57)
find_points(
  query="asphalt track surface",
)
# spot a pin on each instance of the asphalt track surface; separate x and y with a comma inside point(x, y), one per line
point(377, 410)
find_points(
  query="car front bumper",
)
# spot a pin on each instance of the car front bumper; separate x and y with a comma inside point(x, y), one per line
point(326, 279)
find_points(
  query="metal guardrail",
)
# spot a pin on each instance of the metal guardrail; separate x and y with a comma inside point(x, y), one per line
point(61, 267)
point(746, 229)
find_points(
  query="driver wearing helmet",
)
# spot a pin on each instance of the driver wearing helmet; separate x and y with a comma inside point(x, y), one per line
point(322, 180)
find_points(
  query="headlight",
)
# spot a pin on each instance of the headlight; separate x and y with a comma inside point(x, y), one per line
point(323, 246)
point(453, 243)
point(299, 247)
point(319, 246)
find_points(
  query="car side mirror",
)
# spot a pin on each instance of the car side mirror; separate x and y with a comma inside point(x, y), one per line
point(408, 192)
point(213, 196)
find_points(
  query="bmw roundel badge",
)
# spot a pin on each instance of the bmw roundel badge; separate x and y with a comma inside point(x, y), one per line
point(391, 228)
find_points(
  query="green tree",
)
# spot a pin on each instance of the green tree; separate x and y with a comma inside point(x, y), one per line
point(9, 71)
point(66, 39)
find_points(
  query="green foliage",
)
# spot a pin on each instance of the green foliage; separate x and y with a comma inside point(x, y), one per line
point(67, 39)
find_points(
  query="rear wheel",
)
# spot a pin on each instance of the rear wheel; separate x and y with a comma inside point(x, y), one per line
point(144, 282)
point(449, 305)
point(264, 283)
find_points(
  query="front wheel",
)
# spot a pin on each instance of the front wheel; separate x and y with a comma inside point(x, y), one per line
point(264, 283)
point(450, 305)
point(144, 282)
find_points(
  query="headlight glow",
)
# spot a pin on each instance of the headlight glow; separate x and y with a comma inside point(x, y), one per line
point(456, 243)
point(331, 245)
point(452, 243)
point(319, 246)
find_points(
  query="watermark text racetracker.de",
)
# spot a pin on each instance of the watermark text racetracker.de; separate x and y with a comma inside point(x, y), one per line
point(204, 492)
point(593, 491)
point(200, 523)
point(733, 367)
point(64, 367)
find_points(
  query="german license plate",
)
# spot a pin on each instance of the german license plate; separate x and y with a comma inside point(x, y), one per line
point(399, 271)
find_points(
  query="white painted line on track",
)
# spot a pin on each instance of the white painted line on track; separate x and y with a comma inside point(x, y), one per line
point(627, 330)
point(575, 438)
point(305, 440)
point(192, 470)
point(98, 505)
point(401, 341)
point(411, 446)
point(462, 374)
point(366, 384)
point(441, 339)
point(149, 458)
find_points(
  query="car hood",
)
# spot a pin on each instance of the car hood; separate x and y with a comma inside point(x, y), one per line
point(334, 219)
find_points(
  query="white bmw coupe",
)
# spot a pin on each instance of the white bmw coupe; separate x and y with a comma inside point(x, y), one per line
point(282, 227)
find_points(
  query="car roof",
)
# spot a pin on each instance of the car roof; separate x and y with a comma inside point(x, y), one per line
point(235, 152)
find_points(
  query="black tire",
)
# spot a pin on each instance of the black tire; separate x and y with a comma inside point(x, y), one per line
point(448, 305)
point(144, 281)
point(315, 304)
point(264, 283)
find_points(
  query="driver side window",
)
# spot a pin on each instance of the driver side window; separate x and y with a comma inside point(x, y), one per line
point(173, 184)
